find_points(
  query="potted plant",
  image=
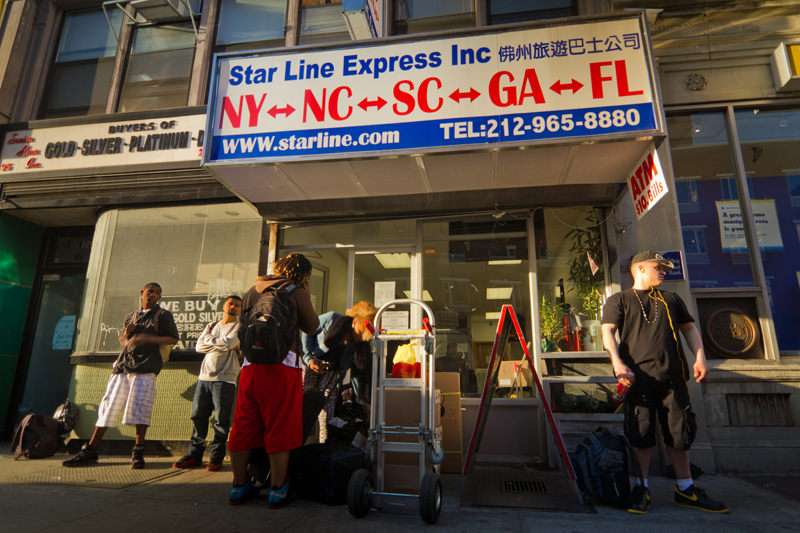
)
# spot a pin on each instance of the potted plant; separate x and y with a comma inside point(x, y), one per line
point(587, 242)
point(551, 330)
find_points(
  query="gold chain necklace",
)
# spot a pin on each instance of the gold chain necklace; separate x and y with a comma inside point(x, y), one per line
point(641, 305)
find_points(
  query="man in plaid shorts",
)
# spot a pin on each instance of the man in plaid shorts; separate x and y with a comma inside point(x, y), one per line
point(131, 389)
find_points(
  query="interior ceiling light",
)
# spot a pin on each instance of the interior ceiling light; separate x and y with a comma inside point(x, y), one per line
point(492, 316)
point(500, 262)
point(392, 261)
point(426, 296)
point(499, 293)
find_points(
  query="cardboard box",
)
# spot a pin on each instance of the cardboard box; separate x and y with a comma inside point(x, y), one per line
point(452, 432)
point(508, 372)
point(402, 407)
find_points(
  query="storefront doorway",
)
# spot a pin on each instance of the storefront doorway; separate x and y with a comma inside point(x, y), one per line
point(43, 378)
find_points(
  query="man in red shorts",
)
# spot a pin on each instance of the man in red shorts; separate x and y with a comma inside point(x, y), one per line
point(269, 401)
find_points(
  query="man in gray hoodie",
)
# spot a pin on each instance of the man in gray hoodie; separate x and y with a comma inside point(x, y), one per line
point(216, 387)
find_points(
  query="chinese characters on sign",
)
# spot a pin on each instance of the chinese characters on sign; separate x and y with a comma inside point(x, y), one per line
point(512, 86)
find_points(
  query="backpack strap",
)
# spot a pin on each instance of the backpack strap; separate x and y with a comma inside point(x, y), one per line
point(19, 433)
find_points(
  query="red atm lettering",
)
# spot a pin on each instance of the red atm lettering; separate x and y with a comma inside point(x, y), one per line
point(317, 107)
point(407, 102)
point(643, 175)
point(621, 74)
point(505, 95)
point(234, 114)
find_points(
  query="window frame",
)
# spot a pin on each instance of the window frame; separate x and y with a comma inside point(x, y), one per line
point(51, 66)
point(760, 286)
point(126, 64)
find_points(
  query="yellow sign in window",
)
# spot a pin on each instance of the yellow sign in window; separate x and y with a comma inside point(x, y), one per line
point(794, 58)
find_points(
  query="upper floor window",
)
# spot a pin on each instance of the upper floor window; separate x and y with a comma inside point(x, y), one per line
point(504, 11)
point(415, 16)
point(247, 24)
point(322, 21)
point(159, 68)
point(80, 77)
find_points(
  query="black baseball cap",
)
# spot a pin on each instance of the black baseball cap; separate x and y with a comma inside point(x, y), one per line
point(650, 255)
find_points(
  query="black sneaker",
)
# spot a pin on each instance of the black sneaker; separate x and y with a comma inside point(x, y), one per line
point(85, 457)
point(137, 458)
point(640, 500)
point(698, 499)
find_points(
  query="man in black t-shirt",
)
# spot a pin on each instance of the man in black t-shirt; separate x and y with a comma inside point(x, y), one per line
point(649, 360)
point(131, 389)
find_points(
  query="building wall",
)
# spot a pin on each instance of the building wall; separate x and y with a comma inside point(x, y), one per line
point(714, 57)
point(20, 243)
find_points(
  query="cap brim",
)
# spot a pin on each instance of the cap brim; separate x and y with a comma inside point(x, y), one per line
point(666, 264)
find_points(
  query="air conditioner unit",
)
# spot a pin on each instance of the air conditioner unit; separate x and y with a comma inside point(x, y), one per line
point(162, 10)
point(148, 12)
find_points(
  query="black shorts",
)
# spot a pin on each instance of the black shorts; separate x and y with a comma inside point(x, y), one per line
point(666, 402)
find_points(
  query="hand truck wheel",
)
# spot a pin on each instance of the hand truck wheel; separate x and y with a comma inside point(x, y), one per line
point(430, 497)
point(358, 492)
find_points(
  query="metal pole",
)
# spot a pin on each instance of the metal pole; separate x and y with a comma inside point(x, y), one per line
point(751, 237)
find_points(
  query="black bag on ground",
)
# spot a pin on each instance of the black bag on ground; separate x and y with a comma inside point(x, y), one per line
point(321, 472)
point(67, 415)
point(601, 466)
point(269, 328)
point(36, 437)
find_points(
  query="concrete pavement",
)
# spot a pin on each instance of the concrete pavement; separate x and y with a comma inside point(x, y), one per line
point(196, 501)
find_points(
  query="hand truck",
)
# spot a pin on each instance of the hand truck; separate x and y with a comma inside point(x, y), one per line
point(367, 488)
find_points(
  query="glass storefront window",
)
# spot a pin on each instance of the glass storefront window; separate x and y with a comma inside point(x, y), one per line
point(383, 232)
point(198, 254)
point(159, 68)
point(569, 264)
point(80, 77)
point(770, 141)
point(321, 21)
point(569, 259)
point(415, 16)
point(505, 11)
point(471, 267)
point(708, 202)
point(251, 24)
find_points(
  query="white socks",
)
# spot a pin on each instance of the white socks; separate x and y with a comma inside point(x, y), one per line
point(635, 481)
point(684, 484)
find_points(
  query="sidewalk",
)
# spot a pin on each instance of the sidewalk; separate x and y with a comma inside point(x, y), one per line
point(31, 500)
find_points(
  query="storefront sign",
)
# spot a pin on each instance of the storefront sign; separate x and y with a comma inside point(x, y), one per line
point(192, 313)
point(106, 144)
point(731, 229)
point(677, 273)
point(513, 86)
point(647, 183)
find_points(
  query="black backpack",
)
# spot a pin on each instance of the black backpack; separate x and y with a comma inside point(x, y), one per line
point(321, 472)
point(601, 466)
point(269, 327)
point(36, 437)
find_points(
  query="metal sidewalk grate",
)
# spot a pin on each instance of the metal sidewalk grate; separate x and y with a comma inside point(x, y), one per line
point(103, 475)
point(517, 486)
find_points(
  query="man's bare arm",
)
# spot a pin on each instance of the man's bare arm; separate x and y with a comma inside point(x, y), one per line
point(621, 370)
point(695, 341)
